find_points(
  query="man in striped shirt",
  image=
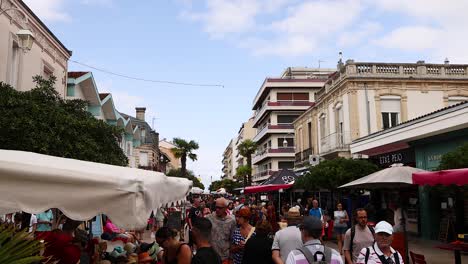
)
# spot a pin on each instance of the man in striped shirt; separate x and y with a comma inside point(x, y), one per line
point(381, 252)
point(311, 230)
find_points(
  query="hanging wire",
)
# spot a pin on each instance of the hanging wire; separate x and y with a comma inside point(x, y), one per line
point(147, 80)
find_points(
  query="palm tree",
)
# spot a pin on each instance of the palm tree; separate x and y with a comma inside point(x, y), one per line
point(183, 150)
point(246, 149)
point(18, 247)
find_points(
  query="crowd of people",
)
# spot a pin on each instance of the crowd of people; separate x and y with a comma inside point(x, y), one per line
point(223, 231)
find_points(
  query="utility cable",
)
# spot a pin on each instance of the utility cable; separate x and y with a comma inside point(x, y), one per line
point(146, 80)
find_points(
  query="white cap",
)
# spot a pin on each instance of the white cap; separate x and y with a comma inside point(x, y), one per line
point(384, 227)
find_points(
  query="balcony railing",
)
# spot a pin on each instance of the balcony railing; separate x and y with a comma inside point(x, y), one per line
point(335, 142)
point(262, 174)
point(392, 70)
point(302, 158)
point(261, 154)
point(259, 113)
point(264, 129)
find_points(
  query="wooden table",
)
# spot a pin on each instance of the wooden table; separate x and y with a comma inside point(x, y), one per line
point(456, 247)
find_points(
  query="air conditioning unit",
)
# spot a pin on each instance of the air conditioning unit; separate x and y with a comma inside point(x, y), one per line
point(314, 160)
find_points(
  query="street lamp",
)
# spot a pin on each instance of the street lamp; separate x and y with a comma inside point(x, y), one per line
point(285, 142)
point(25, 36)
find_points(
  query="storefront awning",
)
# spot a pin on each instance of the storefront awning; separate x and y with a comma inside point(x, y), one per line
point(267, 188)
point(444, 177)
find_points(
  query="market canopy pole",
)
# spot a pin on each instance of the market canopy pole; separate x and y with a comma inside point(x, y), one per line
point(34, 182)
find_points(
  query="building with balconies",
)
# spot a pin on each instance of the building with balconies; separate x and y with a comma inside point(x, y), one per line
point(277, 104)
point(361, 98)
point(246, 131)
point(228, 162)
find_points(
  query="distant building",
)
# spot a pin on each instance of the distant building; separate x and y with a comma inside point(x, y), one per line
point(246, 131)
point(228, 161)
point(48, 56)
point(167, 158)
point(277, 104)
point(146, 141)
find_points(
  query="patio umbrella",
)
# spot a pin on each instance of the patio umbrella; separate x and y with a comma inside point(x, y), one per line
point(34, 182)
point(196, 190)
point(444, 177)
point(395, 176)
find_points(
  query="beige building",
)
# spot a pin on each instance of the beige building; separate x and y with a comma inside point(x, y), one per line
point(362, 98)
point(228, 162)
point(246, 131)
point(277, 104)
point(169, 160)
point(47, 56)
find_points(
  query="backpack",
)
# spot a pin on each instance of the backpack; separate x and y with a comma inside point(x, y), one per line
point(312, 259)
point(353, 233)
point(382, 258)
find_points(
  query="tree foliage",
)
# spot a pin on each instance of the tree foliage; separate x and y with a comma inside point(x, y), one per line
point(227, 184)
point(184, 149)
point(41, 121)
point(18, 247)
point(455, 159)
point(188, 174)
point(330, 174)
point(246, 148)
point(242, 173)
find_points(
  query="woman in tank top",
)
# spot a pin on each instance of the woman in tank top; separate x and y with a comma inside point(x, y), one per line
point(175, 252)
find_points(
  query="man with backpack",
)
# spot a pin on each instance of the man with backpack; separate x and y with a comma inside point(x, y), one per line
point(357, 237)
point(313, 251)
point(381, 252)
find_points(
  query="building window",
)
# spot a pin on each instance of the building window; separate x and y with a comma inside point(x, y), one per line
point(292, 96)
point(453, 100)
point(129, 149)
point(339, 123)
point(289, 165)
point(286, 119)
point(144, 159)
point(290, 142)
point(323, 126)
point(13, 65)
point(71, 90)
point(47, 71)
point(390, 109)
point(309, 134)
point(143, 135)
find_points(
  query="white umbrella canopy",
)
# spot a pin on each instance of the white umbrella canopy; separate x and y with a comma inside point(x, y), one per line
point(196, 190)
point(395, 176)
point(34, 182)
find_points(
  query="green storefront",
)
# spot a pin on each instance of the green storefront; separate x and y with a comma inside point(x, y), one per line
point(438, 202)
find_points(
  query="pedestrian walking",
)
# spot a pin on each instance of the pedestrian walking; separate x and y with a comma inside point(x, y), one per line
point(340, 225)
point(175, 252)
point(258, 248)
point(241, 234)
point(194, 213)
point(288, 238)
point(313, 251)
point(223, 227)
point(381, 251)
point(357, 237)
point(201, 235)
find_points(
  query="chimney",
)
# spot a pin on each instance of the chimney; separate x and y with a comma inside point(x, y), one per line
point(140, 113)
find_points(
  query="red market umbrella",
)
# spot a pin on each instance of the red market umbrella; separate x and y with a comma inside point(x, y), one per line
point(267, 188)
point(444, 177)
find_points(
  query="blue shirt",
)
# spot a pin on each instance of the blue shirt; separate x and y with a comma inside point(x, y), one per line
point(45, 216)
point(317, 212)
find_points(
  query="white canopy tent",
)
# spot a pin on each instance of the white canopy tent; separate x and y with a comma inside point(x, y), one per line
point(34, 182)
point(197, 190)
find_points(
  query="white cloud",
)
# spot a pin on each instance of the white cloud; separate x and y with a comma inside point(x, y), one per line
point(411, 38)
point(49, 10)
point(364, 31)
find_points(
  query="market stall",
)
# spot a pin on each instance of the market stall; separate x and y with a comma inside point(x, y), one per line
point(34, 182)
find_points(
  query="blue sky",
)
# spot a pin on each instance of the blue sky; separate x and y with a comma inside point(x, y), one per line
point(237, 43)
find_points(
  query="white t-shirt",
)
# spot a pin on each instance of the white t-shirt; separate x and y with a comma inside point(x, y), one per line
point(287, 240)
point(338, 216)
point(32, 222)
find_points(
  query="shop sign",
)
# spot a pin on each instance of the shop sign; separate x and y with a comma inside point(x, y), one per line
point(404, 156)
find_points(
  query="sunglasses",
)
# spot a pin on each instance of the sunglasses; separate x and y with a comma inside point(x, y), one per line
point(220, 207)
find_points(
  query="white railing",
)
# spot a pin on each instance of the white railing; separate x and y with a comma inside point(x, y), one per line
point(335, 142)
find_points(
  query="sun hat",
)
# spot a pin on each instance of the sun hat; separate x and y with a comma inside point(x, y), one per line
point(293, 212)
point(384, 227)
point(130, 248)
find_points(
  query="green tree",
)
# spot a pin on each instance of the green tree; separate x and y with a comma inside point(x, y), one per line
point(330, 174)
point(183, 150)
point(455, 159)
point(41, 121)
point(246, 149)
point(227, 184)
point(18, 247)
point(242, 173)
point(188, 174)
